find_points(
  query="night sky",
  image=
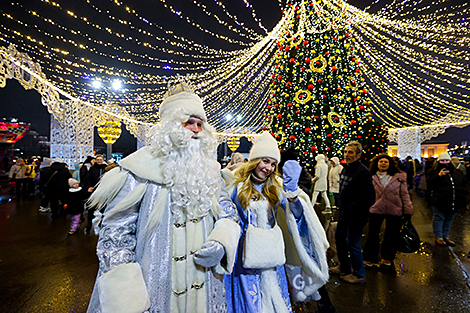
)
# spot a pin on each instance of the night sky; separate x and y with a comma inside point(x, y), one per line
point(15, 101)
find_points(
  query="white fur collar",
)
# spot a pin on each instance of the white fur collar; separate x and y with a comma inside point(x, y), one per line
point(75, 189)
point(144, 164)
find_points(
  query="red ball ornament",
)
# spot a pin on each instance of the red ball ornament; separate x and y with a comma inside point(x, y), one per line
point(327, 53)
point(292, 138)
point(345, 136)
point(316, 117)
point(328, 135)
point(334, 68)
point(279, 77)
point(364, 92)
point(296, 47)
point(317, 62)
point(276, 105)
point(287, 125)
point(339, 88)
point(305, 43)
point(328, 148)
point(307, 60)
point(335, 39)
point(319, 81)
point(268, 107)
point(297, 112)
point(278, 137)
point(352, 122)
point(359, 137)
point(310, 87)
point(264, 127)
point(346, 35)
point(362, 108)
point(323, 96)
point(356, 99)
point(313, 149)
point(292, 60)
point(308, 130)
point(286, 49)
point(302, 68)
point(289, 105)
point(279, 116)
point(353, 59)
point(288, 84)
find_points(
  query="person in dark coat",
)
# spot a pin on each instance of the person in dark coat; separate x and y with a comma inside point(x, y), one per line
point(55, 183)
point(74, 204)
point(356, 196)
point(449, 191)
point(92, 179)
point(89, 162)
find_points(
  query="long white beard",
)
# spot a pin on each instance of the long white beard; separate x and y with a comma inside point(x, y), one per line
point(188, 165)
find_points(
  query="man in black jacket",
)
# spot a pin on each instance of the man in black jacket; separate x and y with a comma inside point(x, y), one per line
point(356, 196)
point(92, 178)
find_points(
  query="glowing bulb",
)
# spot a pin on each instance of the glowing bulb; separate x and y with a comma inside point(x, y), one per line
point(116, 85)
point(96, 84)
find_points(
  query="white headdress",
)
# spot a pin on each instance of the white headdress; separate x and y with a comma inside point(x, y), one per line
point(181, 96)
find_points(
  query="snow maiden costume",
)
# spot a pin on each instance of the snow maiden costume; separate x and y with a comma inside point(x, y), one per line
point(167, 212)
point(259, 282)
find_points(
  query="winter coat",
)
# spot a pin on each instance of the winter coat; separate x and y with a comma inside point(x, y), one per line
point(75, 200)
point(76, 173)
point(84, 172)
point(59, 183)
point(21, 171)
point(356, 194)
point(94, 174)
point(448, 192)
point(321, 173)
point(393, 198)
point(334, 175)
point(305, 182)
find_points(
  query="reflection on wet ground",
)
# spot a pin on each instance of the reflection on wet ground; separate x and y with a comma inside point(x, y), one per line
point(44, 270)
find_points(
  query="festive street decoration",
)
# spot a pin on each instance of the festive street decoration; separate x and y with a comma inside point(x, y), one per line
point(12, 132)
point(109, 131)
point(318, 100)
point(233, 143)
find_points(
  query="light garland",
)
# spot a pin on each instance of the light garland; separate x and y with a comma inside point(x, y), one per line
point(415, 63)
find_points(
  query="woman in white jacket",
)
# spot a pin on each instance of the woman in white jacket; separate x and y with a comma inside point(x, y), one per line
point(333, 179)
point(321, 185)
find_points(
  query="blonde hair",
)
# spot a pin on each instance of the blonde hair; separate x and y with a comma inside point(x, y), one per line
point(248, 193)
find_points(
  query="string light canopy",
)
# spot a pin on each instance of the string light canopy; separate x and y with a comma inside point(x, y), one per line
point(413, 55)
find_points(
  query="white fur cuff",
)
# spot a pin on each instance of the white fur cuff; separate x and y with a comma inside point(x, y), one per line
point(123, 290)
point(227, 233)
point(292, 194)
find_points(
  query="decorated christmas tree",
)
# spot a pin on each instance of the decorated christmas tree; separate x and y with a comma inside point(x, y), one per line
point(374, 140)
point(318, 99)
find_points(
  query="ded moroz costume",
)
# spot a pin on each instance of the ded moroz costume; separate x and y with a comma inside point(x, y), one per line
point(166, 212)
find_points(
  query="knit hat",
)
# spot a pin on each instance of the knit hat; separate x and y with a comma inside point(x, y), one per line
point(443, 156)
point(265, 146)
point(335, 160)
point(72, 182)
point(181, 96)
point(58, 160)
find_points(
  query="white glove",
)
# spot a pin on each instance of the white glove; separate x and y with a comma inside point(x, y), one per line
point(210, 254)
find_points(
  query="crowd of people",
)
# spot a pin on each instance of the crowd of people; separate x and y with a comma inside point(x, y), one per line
point(179, 234)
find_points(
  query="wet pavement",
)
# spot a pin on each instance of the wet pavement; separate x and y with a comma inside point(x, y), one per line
point(44, 270)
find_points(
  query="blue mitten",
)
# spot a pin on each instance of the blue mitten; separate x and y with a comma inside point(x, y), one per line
point(210, 254)
point(290, 175)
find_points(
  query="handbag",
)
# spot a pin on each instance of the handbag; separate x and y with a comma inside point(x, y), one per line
point(409, 240)
point(264, 248)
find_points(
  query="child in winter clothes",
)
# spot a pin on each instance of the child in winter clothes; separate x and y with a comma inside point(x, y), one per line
point(75, 204)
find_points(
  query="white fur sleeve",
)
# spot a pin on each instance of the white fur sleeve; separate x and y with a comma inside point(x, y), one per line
point(227, 233)
point(123, 290)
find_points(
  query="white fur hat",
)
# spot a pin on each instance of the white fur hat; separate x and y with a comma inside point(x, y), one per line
point(320, 157)
point(181, 97)
point(72, 182)
point(443, 156)
point(58, 160)
point(265, 146)
point(335, 160)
